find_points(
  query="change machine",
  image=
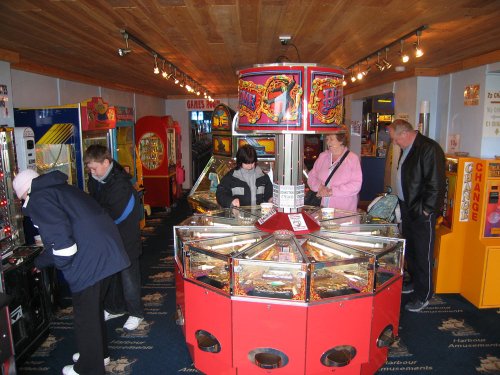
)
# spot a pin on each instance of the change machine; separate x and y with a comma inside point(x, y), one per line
point(481, 271)
point(467, 247)
point(451, 234)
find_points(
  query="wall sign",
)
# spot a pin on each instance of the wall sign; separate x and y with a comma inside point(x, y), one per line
point(491, 125)
point(201, 104)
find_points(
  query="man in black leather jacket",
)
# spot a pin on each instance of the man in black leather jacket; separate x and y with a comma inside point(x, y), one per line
point(420, 187)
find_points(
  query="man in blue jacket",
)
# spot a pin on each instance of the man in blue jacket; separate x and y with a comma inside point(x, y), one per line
point(82, 241)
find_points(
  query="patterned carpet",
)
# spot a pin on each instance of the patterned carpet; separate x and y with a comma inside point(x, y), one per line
point(450, 336)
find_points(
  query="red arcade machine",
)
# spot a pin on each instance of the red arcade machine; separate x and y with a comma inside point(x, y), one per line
point(155, 139)
point(180, 173)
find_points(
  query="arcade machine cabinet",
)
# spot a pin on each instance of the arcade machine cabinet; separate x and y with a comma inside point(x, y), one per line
point(29, 290)
point(156, 141)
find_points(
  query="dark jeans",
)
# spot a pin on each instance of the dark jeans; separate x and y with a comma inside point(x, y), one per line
point(419, 253)
point(90, 330)
point(124, 292)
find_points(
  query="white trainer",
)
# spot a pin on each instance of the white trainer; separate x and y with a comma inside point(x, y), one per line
point(76, 356)
point(132, 323)
point(109, 316)
point(68, 370)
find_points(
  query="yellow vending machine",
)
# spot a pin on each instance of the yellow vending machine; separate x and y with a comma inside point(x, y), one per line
point(481, 262)
point(451, 233)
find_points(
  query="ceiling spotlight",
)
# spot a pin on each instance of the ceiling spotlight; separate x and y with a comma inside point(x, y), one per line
point(404, 57)
point(124, 51)
point(385, 61)
point(380, 66)
point(156, 70)
point(418, 51)
point(367, 70)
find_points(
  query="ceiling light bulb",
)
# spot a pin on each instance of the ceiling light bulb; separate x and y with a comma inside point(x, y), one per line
point(404, 57)
point(156, 70)
point(418, 51)
point(344, 82)
point(353, 79)
point(164, 74)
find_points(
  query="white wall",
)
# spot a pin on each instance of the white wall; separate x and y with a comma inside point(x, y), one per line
point(34, 90)
point(467, 120)
point(7, 113)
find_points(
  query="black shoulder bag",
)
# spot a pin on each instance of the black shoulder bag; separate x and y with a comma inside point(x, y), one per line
point(311, 199)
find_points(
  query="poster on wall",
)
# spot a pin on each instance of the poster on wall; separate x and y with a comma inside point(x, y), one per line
point(453, 143)
point(471, 95)
point(356, 128)
point(4, 99)
point(491, 125)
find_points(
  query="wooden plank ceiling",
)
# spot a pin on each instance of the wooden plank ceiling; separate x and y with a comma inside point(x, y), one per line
point(211, 39)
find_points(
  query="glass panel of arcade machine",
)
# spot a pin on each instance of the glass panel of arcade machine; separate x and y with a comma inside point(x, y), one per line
point(224, 217)
point(171, 149)
point(151, 150)
point(274, 268)
point(388, 252)
point(185, 234)
point(125, 148)
point(208, 261)
point(94, 138)
point(60, 157)
point(382, 230)
point(344, 219)
point(202, 195)
point(337, 270)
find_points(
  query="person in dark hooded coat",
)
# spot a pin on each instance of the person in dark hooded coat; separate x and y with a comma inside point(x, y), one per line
point(110, 185)
point(81, 240)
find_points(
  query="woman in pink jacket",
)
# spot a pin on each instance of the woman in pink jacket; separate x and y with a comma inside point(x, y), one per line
point(345, 184)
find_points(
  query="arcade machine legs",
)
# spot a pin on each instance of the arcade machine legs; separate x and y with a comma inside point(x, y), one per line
point(7, 361)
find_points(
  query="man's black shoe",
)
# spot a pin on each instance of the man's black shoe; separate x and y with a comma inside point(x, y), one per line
point(416, 306)
point(407, 288)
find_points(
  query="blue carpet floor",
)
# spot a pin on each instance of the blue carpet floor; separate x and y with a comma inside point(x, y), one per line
point(450, 336)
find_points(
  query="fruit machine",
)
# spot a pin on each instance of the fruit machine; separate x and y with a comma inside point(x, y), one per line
point(57, 139)
point(28, 289)
point(202, 194)
point(7, 200)
point(98, 121)
point(12, 224)
point(124, 140)
point(156, 141)
point(451, 233)
point(180, 173)
point(297, 293)
point(225, 144)
point(481, 264)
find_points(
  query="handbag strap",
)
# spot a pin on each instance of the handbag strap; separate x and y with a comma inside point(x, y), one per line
point(336, 167)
